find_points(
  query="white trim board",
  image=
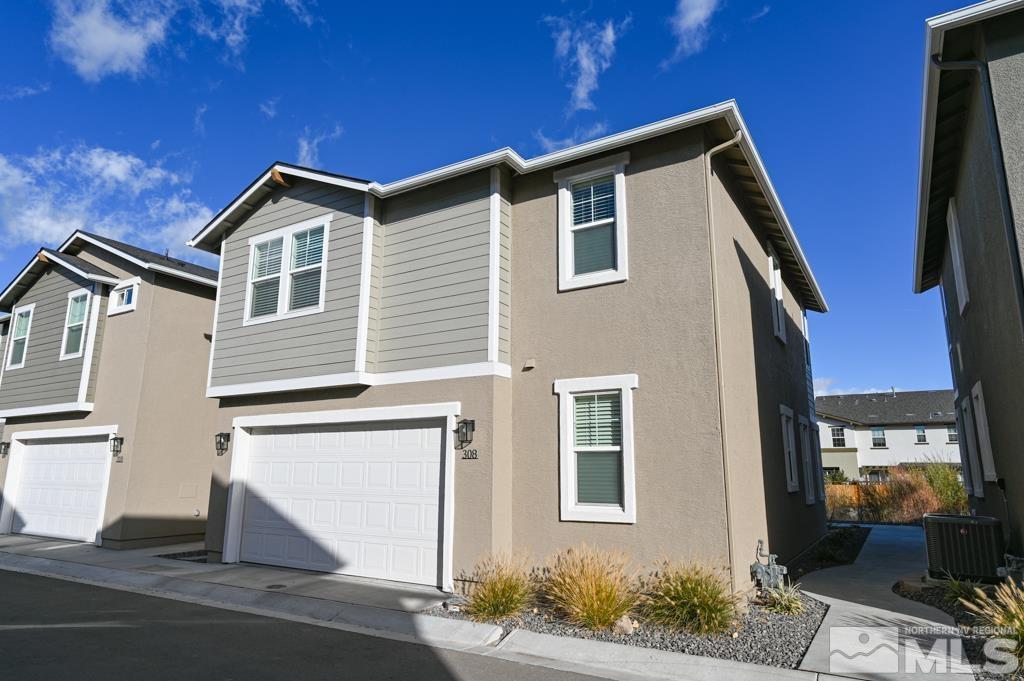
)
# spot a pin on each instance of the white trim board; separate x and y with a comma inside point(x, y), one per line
point(365, 275)
point(136, 261)
point(16, 459)
point(241, 440)
point(90, 346)
point(728, 110)
point(353, 378)
point(61, 408)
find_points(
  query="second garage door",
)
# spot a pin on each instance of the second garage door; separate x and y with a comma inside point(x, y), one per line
point(355, 499)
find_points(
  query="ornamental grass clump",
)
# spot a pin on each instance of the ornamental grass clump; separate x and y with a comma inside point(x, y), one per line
point(502, 587)
point(1003, 612)
point(694, 597)
point(784, 599)
point(590, 587)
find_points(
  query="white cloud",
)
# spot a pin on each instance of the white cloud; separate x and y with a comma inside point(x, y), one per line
point(585, 50)
point(269, 107)
point(301, 12)
point(549, 144)
point(23, 91)
point(230, 23)
point(760, 14)
point(309, 145)
point(155, 144)
point(49, 194)
point(198, 126)
point(830, 386)
point(99, 38)
point(691, 26)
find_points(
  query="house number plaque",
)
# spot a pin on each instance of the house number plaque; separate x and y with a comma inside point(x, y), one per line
point(469, 454)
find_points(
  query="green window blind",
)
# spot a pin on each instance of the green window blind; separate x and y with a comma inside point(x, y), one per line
point(597, 437)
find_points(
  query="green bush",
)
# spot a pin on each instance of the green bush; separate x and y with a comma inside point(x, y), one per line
point(502, 588)
point(944, 479)
point(836, 477)
point(784, 600)
point(691, 596)
point(590, 587)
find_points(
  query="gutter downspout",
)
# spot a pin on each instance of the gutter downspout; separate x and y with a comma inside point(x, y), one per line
point(708, 174)
point(998, 168)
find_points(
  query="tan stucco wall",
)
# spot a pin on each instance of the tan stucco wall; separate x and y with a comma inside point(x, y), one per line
point(760, 373)
point(846, 461)
point(657, 325)
point(151, 370)
point(475, 526)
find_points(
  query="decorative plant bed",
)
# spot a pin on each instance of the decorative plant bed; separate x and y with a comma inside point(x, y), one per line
point(840, 546)
point(759, 636)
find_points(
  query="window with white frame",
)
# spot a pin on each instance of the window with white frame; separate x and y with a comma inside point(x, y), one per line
point(789, 448)
point(878, 437)
point(920, 435)
point(73, 341)
point(21, 327)
point(592, 223)
point(124, 297)
point(286, 272)
point(963, 296)
point(596, 461)
point(838, 436)
point(807, 458)
point(984, 437)
point(778, 295)
point(952, 436)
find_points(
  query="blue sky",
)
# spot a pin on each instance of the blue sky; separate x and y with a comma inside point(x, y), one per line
point(142, 119)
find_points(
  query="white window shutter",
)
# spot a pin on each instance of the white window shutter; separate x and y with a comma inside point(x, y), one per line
point(984, 438)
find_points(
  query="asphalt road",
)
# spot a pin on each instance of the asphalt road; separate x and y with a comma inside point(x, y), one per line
point(52, 629)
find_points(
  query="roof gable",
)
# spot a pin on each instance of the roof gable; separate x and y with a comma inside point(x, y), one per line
point(143, 258)
point(39, 263)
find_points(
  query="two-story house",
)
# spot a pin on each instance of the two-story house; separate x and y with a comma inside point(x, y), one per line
point(864, 435)
point(102, 381)
point(970, 221)
point(605, 344)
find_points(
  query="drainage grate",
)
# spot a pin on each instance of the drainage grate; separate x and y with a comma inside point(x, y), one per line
point(190, 556)
point(276, 586)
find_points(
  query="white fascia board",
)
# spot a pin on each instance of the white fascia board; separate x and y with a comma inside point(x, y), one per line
point(85, 275)
point(18, 278)
point(62, 408)
point(135, 261)
point(935, 33)
point(309, 418)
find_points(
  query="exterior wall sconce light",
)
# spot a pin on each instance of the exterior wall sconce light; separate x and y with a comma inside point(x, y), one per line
point(5, 449)
point(221, 441)
point(116, 444)
point(465, 431)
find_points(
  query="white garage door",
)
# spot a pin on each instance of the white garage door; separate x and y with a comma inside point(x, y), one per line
point(354, 499)
point(60, 488)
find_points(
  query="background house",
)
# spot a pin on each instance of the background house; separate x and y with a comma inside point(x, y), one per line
point(864, 435)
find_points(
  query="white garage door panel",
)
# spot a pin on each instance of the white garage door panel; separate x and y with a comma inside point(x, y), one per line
point(60, 491)
point(360, 500)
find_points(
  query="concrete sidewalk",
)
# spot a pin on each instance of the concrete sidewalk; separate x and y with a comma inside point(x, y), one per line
point(868, 628)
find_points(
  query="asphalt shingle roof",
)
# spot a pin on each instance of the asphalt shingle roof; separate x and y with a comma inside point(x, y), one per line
point(885, 409)
point(75, 261)
point(155, 258)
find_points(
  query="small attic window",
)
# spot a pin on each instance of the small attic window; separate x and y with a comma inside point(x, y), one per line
point(124, 297)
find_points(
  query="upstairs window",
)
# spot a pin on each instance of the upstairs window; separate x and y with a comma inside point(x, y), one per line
point(73, 341)
point(20, 329)
point(838, 436)
point(920, 435)
point(286, 272)
point(878, 437)
point(592, 223)
point(778, 295)
point(124, 297)
point(952, 437)
point(596, 472)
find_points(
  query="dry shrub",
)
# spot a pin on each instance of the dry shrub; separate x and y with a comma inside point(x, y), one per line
point(502, 587)
point(590, 587)
point(904, 497)
point(841, 501)
point(1003, 611)
point(691, 596)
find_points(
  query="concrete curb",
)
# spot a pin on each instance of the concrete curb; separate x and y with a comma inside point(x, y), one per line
point(442, 632)
point(620, 661)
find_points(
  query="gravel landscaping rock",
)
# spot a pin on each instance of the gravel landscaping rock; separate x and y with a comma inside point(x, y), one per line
point(760, 637)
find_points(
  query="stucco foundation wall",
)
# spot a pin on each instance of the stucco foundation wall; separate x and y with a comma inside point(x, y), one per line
point(622, 328)
point(760, 373)
point(476, 527)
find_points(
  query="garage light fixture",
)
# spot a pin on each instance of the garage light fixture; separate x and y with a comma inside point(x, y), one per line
point(465, 431)
point(5, 449)
point(116, 444)
point(221, 441)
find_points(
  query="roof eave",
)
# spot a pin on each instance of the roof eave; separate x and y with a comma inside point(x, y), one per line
point(78, 234)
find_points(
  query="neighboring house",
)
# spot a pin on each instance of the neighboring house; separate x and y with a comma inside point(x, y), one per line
point(865, 435)
point(969, 225)
point(105, 348)
point(625, 379)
